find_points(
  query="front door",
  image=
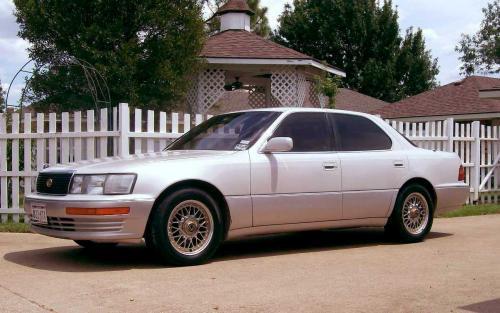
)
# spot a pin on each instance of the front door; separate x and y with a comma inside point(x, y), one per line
point(302, 185)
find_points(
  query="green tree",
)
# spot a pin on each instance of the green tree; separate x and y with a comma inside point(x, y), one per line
point(145, 49)
point(481, 52)
point(361, 37)
point(258, 22)
point(415, 69)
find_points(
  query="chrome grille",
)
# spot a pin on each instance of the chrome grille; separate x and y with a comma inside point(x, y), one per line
point(83, 224)
point(55, 183)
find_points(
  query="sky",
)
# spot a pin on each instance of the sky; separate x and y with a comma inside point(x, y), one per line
point(442, 22)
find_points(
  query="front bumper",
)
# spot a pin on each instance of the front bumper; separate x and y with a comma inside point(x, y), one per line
point(451, 196)
point(86, 227)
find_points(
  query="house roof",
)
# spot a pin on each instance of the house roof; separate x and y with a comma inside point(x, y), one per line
point(243, 47)
point(235, 6)
point(244, 44)
point(348, 99)
point(457, 98)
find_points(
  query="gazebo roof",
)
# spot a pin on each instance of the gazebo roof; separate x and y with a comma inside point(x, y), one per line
point(243, 47)
point(235, 6)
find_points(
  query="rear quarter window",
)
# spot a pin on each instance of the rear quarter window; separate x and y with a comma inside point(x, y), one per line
point(358, 133)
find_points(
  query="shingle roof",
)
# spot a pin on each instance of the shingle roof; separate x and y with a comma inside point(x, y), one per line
point(347, 99)
point(243, 44)
point(461, 97)
point(235, 6)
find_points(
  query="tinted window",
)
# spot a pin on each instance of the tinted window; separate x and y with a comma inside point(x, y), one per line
point(234, 131)
point(309, 131)
point(357, 133)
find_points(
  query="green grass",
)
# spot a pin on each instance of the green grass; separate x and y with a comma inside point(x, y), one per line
point(472, 210)
point(11, 227)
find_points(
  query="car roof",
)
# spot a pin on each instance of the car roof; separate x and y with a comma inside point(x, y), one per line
point(290, 110)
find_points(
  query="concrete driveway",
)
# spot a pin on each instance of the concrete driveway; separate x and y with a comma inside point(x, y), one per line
point(457, 269)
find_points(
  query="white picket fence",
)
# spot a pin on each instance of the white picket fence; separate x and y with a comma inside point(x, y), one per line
point(77, 136)
point(477, 145)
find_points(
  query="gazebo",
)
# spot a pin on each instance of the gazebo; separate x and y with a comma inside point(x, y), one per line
point(269, 74)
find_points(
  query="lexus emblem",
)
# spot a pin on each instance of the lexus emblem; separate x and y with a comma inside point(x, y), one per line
point(49, 183)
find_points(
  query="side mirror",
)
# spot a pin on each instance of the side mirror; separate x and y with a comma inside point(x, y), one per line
point(278, 144)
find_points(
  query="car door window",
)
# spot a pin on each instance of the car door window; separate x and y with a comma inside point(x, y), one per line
point(310, 131)
point(358, 133)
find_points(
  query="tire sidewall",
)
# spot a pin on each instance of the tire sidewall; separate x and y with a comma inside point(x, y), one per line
point(396, 221)
point(159, 233)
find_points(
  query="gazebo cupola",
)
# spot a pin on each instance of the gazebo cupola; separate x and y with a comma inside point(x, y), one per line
point(268, 74)
point(235, 15)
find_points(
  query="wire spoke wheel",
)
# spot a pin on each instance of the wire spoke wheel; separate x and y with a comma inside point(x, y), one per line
point(190, 227)
point(415, 213)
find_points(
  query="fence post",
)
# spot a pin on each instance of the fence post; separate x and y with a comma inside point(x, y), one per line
point(3, 167)
point(124, 125)
point(449, 132)
point(476, 158)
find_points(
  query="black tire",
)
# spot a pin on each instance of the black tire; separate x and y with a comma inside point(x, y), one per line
point(158, 230)
point(88, 244)
point(396, 228)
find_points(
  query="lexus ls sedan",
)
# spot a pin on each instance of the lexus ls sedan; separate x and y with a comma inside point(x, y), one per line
point(247, 173)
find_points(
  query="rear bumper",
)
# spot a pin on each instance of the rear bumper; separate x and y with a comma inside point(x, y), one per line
point(451, 196)
point(97, 228)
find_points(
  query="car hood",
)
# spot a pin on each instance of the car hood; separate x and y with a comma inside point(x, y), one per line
point(133, 162)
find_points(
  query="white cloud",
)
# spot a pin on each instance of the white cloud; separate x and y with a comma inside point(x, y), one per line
point(430, 34)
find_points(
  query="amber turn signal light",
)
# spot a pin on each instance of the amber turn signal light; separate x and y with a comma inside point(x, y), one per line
point(461, 173)
point(97, 211)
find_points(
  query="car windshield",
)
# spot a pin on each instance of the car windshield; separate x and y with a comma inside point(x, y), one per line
point(233, 131)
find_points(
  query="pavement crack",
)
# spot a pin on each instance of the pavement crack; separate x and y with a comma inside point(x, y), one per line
point(41, 306)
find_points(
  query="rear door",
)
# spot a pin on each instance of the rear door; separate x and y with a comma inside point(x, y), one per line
point(371, 170)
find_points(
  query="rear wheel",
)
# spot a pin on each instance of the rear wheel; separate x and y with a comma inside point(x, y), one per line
point(186, 228)
point(88, 244)
point(412, 217)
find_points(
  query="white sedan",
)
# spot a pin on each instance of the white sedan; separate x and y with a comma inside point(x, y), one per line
point(248, 173)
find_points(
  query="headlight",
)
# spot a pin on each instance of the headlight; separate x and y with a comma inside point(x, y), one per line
point(111, 184)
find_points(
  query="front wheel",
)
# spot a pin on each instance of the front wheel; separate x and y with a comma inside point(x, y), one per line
point(186, 227)
point(412, 217)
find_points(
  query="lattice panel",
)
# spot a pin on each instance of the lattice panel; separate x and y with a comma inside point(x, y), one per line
point(257, 97)
point(192, 95)
point(210, 88)
point(323, 101)
point(288, 87)
point(313, 96)
point(302, 88)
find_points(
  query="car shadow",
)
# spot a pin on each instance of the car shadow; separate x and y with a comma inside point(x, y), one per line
point(129, 256)
point(489, 306)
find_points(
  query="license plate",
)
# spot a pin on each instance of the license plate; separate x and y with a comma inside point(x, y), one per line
point(38, 214)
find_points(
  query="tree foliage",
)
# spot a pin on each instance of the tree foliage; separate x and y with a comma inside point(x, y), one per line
point(363, 38)
point(480, 53)
point(327, 85)
point(145, 49)
point(258, 22)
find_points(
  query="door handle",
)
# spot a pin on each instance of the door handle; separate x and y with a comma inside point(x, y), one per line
point(329, 166)
point(399, 163)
